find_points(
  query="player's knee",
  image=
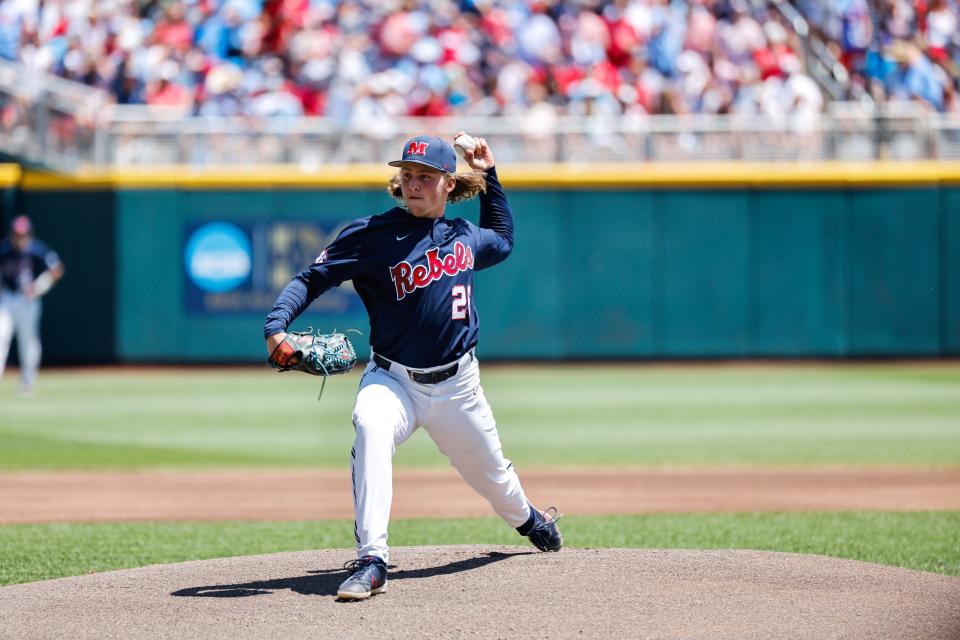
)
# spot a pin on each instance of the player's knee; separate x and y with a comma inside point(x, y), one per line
point(374, 424)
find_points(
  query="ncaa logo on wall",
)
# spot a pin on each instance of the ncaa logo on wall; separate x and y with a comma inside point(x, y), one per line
point(218, 257)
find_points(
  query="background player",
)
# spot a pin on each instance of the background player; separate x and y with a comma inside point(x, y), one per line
point(413, 268)
point(28, 268)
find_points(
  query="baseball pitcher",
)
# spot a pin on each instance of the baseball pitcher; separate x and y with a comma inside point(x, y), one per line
point(413, 268)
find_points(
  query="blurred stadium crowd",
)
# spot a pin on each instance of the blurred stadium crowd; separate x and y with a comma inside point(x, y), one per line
point(368, 60)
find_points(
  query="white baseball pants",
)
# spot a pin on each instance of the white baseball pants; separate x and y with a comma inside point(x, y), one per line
point(20, 314)
point(457, 418)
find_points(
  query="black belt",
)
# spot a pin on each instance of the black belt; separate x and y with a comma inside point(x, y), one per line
point(422, 377)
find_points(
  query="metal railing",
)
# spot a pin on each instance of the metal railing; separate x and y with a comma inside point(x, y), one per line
point(820, 63)
point(847, 131)
point(48, 120)
point(66, 126)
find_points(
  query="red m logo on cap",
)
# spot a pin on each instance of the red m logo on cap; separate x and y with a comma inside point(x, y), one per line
point(417, 149)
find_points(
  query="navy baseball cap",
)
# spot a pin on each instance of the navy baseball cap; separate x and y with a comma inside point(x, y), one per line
point(428, 150)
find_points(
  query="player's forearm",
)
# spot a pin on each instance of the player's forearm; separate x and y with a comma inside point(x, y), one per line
point(45, 281)
point(495, 211)
point(291, 302)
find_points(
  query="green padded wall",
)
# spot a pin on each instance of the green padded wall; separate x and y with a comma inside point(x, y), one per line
point(597, 273)
point(795, 273)
point(78, 326)
point(152, 324)
point(892, 272)
point(619, 273)
point(950, 271)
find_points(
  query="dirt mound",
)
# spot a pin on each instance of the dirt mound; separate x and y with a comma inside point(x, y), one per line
point(496, 592)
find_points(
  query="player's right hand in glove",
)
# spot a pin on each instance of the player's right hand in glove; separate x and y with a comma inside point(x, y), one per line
point(318, 355)
point(273, 342)
point(285, 353)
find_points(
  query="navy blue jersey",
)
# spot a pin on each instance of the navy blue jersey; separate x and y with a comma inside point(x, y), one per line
point(414, 275)
point(19, 269)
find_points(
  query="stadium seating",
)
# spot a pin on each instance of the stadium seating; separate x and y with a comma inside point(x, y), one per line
point(359, 61)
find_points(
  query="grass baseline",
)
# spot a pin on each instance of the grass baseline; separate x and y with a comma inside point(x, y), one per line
point(925, 541)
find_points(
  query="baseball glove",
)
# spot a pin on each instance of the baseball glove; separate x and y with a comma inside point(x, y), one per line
point(323, 354)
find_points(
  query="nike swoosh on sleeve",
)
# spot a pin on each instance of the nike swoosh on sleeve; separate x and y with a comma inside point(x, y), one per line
point(402, 237)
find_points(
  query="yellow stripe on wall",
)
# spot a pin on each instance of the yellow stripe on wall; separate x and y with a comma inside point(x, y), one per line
point(738, 174)
point(10, 175)
point(176, 177)
point(566, 176)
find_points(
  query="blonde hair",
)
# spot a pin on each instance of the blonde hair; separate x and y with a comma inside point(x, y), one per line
point(469, 185)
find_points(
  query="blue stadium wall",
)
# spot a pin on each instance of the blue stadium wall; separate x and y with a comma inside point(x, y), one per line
point(619, 263)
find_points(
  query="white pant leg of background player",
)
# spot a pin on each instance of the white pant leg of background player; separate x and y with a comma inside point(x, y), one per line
point(20, 315)
point(461, 423)
point(26, 318)
point(6, 329)
point(384, 416)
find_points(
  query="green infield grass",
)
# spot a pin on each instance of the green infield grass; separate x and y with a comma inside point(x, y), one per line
point(927, 541)
point(565, 415)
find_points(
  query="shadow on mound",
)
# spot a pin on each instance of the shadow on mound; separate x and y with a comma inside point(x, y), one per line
point(324, 582)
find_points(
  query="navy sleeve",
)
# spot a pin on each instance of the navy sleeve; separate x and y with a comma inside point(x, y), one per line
point(496, 224)
point(340, 261)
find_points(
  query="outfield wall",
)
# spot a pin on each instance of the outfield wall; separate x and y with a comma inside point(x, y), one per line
point(827, 260)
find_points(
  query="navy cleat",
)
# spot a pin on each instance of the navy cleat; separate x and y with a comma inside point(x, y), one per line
point(368, 576)
point(542, 529)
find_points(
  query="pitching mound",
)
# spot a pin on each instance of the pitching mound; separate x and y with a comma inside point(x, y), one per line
point(496, 592)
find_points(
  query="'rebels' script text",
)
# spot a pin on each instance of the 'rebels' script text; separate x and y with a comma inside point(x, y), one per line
point(407, 278)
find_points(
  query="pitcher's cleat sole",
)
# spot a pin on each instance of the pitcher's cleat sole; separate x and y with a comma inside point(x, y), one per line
point(363, 595)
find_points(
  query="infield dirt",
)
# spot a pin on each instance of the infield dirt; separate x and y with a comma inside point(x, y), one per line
point(104, 496)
